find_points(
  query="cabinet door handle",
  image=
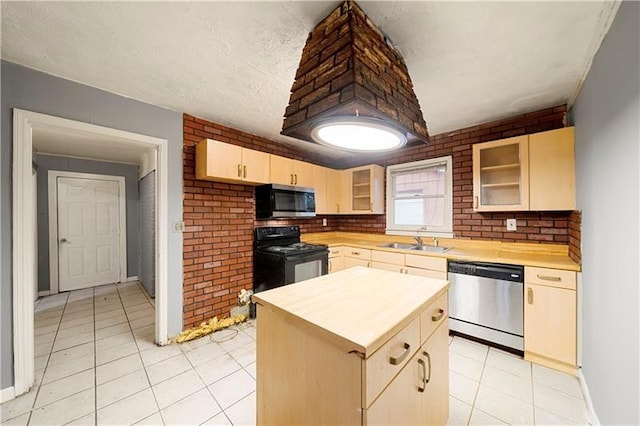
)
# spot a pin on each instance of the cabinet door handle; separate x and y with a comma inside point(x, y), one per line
point(475, 202)
point(402, 270)
point(239, 170)
point(425, 378)
point(438, 316)
point(397, 360)
point(329, 266)
point(548, 278)
point(244, 171)
point(295, 179)
point(530, 295)
point(337, 208)
point(368, 264)
point(291, 179)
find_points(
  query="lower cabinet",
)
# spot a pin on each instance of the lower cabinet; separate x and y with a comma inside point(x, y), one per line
point(419, 394)
point(550, 318)
point(354, 256)
point(336, 259)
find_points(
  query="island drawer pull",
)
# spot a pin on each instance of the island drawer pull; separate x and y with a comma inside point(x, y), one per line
point(548, 278)
point(425, 378)
point(403, 355)
point(438, 316)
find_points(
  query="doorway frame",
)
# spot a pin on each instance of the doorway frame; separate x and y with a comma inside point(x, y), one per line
point(23, 244)
point(52, 184)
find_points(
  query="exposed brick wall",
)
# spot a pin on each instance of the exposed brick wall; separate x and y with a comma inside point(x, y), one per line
point(549, 227)
point(219, 217)
point(219, 221)
point(575, 233)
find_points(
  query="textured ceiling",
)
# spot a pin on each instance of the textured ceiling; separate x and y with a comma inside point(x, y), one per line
point(234, 62)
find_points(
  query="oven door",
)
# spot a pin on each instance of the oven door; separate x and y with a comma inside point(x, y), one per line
point(305, 266)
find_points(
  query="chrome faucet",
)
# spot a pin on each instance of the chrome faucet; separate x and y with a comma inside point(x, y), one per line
point(419, 240)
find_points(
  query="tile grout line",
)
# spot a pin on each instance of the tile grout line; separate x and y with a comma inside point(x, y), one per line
point(139, 352)
point(39, 387)
point(95, 362)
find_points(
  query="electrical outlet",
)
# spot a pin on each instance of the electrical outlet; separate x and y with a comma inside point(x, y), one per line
point(324, 221)
point(178, 226)
point(511, 225)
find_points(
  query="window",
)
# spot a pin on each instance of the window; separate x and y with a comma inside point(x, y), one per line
point(419, 198)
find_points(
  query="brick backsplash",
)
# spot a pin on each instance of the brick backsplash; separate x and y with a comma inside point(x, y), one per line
point(220, 217)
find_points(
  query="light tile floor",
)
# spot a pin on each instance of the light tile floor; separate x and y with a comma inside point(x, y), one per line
point(96, 363)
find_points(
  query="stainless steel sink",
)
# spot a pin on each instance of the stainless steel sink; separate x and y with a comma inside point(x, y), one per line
point(398, 246)
point(433, 249)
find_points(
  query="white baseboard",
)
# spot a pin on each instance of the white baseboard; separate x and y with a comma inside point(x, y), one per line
point(129, 279)
point(593, 417)
point(7, 394)
point(44, 293)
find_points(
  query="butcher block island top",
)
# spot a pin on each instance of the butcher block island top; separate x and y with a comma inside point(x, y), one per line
point(353, 347)
point(359, 308)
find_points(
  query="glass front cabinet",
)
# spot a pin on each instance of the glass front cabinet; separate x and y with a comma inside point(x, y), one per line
point(501, 175)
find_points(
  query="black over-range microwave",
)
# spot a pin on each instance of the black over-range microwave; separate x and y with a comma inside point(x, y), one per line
point(280, 201)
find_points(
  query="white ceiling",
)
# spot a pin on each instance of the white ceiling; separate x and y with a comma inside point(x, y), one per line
point(73, 143)
point(234, 62)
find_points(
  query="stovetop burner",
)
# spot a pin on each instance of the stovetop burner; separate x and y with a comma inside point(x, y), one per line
point(295, 248)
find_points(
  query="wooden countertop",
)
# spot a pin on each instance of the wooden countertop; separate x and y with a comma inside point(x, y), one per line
point(358, 309)
point(554, 256)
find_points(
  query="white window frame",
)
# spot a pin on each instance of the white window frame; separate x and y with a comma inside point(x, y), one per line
point(445, 231)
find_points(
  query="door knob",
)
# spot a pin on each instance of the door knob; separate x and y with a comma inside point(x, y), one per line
point(64, 240)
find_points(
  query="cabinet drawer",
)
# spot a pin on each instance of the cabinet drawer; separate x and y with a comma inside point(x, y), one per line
point(358, 253)
point(434, 315)
point(335, 251)
point(550, 277)
point(426, 262)
point(387, 257)
point(388, 266)
point(429, 273)
point(379, 368)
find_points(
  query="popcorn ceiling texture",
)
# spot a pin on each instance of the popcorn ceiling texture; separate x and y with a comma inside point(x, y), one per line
point(219, 217)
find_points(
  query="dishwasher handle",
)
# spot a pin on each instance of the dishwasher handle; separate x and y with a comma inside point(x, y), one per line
point(499, 271)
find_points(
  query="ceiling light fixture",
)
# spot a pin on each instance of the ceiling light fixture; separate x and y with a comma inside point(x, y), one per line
point(358, 134)
point(352, 89)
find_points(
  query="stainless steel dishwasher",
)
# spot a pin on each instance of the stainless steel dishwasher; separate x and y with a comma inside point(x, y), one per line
point(486, 302)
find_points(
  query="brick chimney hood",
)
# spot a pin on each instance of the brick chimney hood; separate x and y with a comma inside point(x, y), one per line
point(348, 68)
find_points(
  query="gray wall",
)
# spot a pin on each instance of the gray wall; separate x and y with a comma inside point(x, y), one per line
point(606, 116)
point(35, 91)
point(147, 227)
point(130, 173)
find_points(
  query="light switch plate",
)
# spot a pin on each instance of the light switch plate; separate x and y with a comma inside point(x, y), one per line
point(511, 225)
point(178, 226)
point(324, 221)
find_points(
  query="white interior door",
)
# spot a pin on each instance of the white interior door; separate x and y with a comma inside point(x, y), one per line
point(88, 232)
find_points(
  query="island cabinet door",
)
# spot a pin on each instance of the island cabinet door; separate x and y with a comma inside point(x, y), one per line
point(419, 394)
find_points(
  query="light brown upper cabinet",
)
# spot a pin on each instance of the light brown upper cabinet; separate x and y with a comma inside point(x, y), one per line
point(366, 189)
point(288, 171)
point(220, 161)
point(337, 192)
point(531, 172)
point(501, 175)
point(552, 172)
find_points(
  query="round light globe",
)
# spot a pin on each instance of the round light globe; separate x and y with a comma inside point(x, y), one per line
point(358, 134)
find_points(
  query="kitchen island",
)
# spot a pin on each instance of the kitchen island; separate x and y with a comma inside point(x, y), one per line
point(360, 346)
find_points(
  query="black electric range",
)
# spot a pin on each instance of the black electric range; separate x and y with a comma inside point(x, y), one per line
point(279, 258)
